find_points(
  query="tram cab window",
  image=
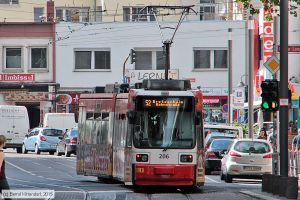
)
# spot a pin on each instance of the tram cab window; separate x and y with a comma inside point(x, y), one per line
point(165, 127)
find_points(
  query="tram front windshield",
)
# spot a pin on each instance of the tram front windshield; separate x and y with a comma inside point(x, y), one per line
point(164, 122)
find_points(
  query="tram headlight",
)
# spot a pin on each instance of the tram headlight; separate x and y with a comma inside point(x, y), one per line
point(186, 158)
point(141, 157)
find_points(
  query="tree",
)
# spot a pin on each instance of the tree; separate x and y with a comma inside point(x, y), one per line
point(270, 7)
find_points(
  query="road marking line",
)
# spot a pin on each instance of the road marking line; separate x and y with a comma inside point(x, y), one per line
point(19, 168)
point(78, 189)
point(212, 180)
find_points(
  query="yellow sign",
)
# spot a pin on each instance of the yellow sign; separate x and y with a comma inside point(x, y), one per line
point(272, 64)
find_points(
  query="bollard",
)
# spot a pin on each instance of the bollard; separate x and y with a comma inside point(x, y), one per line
point(292, 188)
point(266, 182)
point(282, 184)
point(276, 186)
point(270, 185)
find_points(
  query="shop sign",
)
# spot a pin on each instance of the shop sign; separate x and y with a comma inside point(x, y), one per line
point(136, 76)
point(17, 77)
point(268, 40)
point(210, 91)
point(63, 99)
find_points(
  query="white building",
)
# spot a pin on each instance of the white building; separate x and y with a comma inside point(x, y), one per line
point(93, 55)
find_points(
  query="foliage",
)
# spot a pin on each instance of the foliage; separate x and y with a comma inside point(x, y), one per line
point(270, 7)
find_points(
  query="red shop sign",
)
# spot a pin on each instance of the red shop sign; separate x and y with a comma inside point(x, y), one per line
point(17, 77)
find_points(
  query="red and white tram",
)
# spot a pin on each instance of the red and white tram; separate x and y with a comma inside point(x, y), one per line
point(148, 136)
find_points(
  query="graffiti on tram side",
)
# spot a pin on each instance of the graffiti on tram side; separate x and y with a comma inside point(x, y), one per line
point(96, 159)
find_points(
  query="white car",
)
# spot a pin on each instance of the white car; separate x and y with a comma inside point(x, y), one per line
point(246, 158)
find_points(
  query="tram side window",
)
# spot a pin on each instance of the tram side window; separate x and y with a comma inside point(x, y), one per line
point(104, 127)
point(81, 124)
point(89, 127)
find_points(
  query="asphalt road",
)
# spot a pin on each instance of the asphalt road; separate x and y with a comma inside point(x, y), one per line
point(50, 172)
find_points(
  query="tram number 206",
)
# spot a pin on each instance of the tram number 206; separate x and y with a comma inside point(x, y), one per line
point(164, 156)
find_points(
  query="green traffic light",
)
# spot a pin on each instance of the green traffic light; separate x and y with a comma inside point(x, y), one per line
point(265, 105)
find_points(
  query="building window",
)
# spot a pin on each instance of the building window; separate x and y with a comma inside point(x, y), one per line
point(133, 14)
point(102, 60)
point(201, 59)
point(72, 14)
point(83, 59)
point(143, 60)
point(149, 60)
point(38, 14)
point(9, 1)
point(160, 60)
point(210, 59)
point(13, 58)
point(207, 9)
point(38, 58)
point(96, 15)
point(220, 58)
point(92, 60)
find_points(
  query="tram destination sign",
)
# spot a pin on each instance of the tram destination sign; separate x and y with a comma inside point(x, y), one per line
point(164, 102)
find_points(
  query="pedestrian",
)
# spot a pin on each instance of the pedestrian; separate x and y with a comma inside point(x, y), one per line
point(296, 141)
point(263, 134)
point(3, 181)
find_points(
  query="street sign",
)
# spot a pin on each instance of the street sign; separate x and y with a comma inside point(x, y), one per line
point(238, 101)
point(291, 48)
point(272, 64)
point(225, 108)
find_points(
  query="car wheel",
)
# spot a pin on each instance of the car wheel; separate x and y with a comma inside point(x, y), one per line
point(19, 150)
point(24, 150)
point(51, 152)
point(36, 149)
point(228, 178)
point(207, 171)
point(67, 154)
point(222, 175)
point(57, 152)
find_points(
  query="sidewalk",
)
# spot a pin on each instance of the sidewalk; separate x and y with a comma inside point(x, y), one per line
point(264, 195)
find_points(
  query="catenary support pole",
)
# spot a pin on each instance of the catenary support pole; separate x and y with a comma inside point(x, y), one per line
point(229, 75)
point(250, 79)
point(283, 94)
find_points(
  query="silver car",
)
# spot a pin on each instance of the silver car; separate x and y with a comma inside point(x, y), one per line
point(246, 158)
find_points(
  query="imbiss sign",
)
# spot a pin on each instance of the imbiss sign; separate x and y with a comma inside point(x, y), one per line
point(17, 77)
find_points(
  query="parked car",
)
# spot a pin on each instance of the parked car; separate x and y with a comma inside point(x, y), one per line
point(215, 153)
point(68, 143)
point(216, 135)
point(223, 128)
point(246, 158)
point(42, 139)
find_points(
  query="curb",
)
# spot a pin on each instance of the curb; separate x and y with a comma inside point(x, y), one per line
point(259, 196)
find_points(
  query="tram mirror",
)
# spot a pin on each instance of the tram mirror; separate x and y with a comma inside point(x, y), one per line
point(131, 117)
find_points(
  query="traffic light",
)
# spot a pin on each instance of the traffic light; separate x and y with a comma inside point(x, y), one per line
point(270, 95)
point(132, 56)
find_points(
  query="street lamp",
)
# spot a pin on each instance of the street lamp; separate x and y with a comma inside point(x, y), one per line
point(242, 84)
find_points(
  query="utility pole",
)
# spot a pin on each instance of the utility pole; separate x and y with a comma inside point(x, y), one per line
point(167, 45)
point(275, 114)
point(250, 79)
point(283, 94)
point(230, 75)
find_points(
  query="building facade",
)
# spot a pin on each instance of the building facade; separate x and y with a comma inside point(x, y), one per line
point(94, 55)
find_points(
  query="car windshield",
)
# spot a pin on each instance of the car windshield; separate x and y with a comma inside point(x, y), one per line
point(252, 147)
point(74, 133)
point(220, 144)
point(167, 124)
point(52, 132)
